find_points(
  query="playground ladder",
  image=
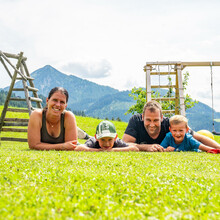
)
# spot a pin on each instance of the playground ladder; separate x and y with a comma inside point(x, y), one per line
point(20, 72)
point(153, 68)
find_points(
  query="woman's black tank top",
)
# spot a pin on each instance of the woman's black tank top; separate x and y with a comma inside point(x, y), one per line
point(46, 138)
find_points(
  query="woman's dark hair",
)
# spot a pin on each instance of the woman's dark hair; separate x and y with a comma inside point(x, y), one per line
point(61, 89)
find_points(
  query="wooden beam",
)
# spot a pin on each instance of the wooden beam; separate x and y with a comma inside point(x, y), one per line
point(164, 99)
point(163, 73)
point(207, 63)
point(148, 84)
point(14, 129)
point(14, 139)
point(19, 124)
point(163, 86)
point(15, 56)
point(17, 119)
point(17, 110)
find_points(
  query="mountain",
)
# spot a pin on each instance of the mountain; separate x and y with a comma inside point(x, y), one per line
point(200, 117)
point(106, 102)
point(84, 95)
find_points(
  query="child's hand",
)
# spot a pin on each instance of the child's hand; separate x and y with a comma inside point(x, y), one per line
point(169, 149)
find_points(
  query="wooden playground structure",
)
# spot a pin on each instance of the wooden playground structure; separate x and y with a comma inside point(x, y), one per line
point(174, 69)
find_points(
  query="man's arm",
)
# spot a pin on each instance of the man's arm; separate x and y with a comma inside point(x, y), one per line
point(206, 140)
point(143, 147)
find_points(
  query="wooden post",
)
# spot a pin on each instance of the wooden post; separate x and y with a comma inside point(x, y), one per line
point(26, 91)
point(181, 93)
point(148, 83)
point(39, 105)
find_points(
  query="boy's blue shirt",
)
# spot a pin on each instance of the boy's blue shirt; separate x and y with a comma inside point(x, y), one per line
point(189, 143)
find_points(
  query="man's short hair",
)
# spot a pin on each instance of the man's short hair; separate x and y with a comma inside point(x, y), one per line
point(152, 106)
point(177, 119)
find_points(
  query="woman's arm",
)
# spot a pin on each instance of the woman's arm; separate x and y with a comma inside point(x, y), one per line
point(70, 127)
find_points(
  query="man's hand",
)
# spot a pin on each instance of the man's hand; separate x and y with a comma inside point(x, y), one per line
point(150, 147)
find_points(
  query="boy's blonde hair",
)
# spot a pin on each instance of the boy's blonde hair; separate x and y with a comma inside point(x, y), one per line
point(176, 119)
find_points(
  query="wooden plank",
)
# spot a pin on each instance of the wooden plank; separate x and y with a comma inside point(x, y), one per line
point(32, 89)
point(162, 73)
point(14, 56)
point(14, 139)
point(14, 129)
point(27, 77)
point(206, 63)
point(17, 119)
point(35, 99)
point(19, 124)
point(17, 99)
point(164, 99)
point(18, 89)
point(17, 110)
point(163, 86)
point(168, 111)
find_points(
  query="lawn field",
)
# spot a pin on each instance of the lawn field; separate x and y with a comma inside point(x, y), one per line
point(107, 185)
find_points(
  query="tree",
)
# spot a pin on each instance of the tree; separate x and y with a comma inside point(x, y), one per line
point(139, 95)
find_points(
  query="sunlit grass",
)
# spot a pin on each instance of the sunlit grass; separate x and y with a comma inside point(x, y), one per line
point(107, 185)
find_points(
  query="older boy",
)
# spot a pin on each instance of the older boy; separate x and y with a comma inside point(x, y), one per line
point(106, 139)
point(178, 139)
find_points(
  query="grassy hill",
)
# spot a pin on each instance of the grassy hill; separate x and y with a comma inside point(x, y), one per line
point(107, 185)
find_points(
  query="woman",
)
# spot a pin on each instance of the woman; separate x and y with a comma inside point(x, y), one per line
point(53, 128)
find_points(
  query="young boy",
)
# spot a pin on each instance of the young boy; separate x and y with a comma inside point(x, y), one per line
point(106, 139)
point(178, 139)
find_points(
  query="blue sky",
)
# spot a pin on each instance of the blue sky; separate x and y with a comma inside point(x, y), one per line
point(109, 42)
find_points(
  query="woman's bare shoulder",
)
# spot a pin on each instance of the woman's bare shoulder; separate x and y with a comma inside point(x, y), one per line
point(69, 114)
point(36, 113)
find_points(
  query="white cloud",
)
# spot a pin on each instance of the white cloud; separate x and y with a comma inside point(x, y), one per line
point(98, 69)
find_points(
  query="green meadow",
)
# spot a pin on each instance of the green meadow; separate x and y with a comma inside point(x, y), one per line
point(107, 185)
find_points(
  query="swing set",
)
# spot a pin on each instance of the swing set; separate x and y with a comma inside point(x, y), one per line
point(174, 72)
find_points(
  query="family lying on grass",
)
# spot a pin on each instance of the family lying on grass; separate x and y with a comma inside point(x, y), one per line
point(54, 128)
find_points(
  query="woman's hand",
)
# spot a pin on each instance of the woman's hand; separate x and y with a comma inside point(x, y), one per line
point(70, 145)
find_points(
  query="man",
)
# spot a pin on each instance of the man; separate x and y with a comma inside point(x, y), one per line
point(148, 129)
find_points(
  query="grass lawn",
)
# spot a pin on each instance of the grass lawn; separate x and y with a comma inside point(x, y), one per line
point(107, 185)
